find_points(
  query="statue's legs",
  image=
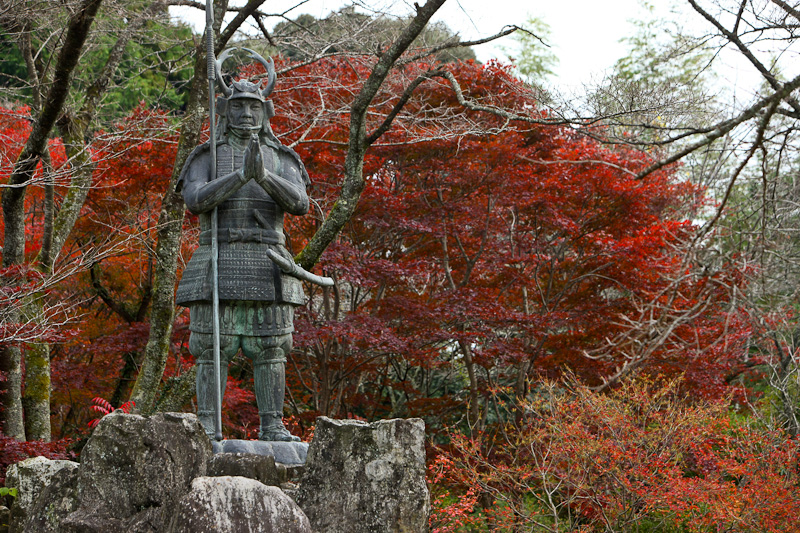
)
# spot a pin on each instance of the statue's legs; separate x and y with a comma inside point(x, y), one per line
point(201, 346)
point(269, 361)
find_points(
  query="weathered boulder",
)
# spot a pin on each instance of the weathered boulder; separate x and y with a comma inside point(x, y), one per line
point(30, 477)
point(366, 478)
point(259, 467)
point(233, 504)
point(58, 499)
point(134, 470)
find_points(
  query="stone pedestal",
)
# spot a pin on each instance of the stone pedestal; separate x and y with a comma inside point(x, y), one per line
point(136, 475)
point(288, 453)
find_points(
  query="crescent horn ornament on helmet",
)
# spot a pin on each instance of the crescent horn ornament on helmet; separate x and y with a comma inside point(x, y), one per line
point(268, 65)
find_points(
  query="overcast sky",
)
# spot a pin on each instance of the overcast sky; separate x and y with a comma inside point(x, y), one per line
point(585, 33)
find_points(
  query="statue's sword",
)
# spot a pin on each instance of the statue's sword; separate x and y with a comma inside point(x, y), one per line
point(288, 266)
point(212, 78)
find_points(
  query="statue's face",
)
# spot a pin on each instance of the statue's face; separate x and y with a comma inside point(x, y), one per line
point(245, 114)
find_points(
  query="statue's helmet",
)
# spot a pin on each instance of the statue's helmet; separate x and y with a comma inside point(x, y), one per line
point(246, 89)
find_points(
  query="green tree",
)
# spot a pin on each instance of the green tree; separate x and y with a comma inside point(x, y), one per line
point(533, 56)
point(154, 67)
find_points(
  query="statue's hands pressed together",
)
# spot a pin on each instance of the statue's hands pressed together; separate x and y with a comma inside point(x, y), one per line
point(253, 162)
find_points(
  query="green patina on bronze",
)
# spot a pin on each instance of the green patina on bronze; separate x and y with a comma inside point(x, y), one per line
point(255, 183)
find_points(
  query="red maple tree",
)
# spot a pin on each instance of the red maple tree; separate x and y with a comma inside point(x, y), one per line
point(484, 255)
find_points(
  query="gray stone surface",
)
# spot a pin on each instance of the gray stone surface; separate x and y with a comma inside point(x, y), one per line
point(30, 477)
point(259, 467)
point(134, 470)
point(366, 478)
point(5, 518)
point(289, 453)
point(58, 499)
point(232, 504)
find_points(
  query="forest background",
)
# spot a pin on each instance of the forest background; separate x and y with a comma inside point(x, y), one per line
point(591, 300)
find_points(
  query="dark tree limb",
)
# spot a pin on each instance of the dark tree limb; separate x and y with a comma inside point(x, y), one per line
point(401, 103)
point(118, 307)
point(264, 30)
point(244, 13)
point(736, 41)
point(353, 184)
point(786, 7)
point(508, 30)
point(762, 128)
point(725, 127)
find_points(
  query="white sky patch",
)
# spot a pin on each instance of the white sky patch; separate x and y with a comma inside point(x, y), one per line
point(586, 34)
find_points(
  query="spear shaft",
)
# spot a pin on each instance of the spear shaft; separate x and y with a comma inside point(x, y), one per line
point(212, 78)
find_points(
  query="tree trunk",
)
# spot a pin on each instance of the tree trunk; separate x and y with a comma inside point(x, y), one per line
point(125, 380)
point(11, 393)
point(36, 399)
point(14, 217)
point(177, 391)
point(473, 407)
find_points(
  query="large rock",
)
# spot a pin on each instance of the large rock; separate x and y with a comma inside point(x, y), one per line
point(366, 478)
point(262, 468)
point(134, 470)
point(5, 518)
point(58, 499)
point(233, 504)
point(30, 477)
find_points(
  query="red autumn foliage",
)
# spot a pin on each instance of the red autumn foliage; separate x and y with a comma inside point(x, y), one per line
point(104, 407)
point(639, 458)
point(13, 451)
point(483, 254)
point(477, 260)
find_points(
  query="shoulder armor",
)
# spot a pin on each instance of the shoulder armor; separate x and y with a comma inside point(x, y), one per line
point(273, 141)
point(196, 152)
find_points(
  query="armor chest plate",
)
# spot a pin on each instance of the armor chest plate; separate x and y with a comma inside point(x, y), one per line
point(250, 222)
point(250, 210)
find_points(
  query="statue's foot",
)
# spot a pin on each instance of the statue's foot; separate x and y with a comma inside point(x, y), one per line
point(207, 421)
point(277, 433)
point(272, 429)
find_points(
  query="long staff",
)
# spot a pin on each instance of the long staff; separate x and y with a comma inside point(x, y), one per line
point(212, 127)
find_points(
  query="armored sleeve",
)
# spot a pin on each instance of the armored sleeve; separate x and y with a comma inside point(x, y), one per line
point(200, 192)
point(287, 188)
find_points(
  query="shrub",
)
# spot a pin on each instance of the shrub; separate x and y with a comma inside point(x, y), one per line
point(639, 459)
